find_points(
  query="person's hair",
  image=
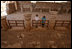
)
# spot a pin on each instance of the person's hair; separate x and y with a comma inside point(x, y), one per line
point(36, 14)
point(44, 17)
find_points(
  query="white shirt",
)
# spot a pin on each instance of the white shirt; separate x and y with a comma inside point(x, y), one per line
point(36, 18)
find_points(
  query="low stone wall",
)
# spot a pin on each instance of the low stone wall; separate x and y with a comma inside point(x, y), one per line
point(11, 8)
point(4, 23)
point(28, 21)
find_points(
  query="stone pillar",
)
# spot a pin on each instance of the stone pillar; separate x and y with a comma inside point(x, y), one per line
point(52, 21)
point(28, 22)
point(10, 8)
point(31, 9)
point(21, 6)
point(32, 6)
point(18, 5)
point(40, 10)
point(4, 23)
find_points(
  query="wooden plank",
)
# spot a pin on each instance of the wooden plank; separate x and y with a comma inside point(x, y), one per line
point(40, 22)
point(16, 22)
point(23, 24)
point(63, 24)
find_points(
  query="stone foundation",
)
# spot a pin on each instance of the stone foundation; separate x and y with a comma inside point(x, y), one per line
point(4, 23)
point(28, 21)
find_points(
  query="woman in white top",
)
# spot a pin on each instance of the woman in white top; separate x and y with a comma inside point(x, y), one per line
point(36, 18)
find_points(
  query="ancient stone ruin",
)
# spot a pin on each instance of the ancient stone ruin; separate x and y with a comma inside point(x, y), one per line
point(18, 26)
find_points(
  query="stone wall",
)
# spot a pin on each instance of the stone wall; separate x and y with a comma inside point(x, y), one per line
point(47, 5)
point(23, 4)
point(11, 8)
point(4, 23)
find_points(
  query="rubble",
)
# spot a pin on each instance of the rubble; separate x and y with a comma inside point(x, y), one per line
point(16, 45)
point(20, 36)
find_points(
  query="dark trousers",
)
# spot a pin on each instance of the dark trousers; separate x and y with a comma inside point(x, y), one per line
point(36, 24)
point(43, 24)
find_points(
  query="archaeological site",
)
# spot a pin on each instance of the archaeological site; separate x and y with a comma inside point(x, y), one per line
point(35, 24)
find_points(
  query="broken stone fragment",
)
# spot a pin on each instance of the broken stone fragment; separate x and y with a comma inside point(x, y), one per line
point(5, 42)
point(21, 42)
point(54, 46)
point(35, 44)
point(38, 43)
point(16, 45)
point(51, 42)
point(59, 35)
point(20, 36)
point(38, 46)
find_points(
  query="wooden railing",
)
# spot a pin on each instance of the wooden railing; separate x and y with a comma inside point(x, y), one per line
point(26, 9)
point(36, 10)
point(15, 23)
point(40, 10)
point(39, 23)
point(62, 23)
point(45, 10)
point(58, 23)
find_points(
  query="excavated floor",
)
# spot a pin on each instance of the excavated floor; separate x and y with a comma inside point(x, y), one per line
point(36, 38)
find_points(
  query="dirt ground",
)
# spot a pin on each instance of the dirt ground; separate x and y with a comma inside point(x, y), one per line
point(36, 38)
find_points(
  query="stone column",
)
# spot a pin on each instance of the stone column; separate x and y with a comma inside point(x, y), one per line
point(21, 7)
point(18, 5)
point(31, 9)
point(40, 10)
point(52, 21)
point(4, 23)
point(10, 8)
point(32, 6)
point(28, 22)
